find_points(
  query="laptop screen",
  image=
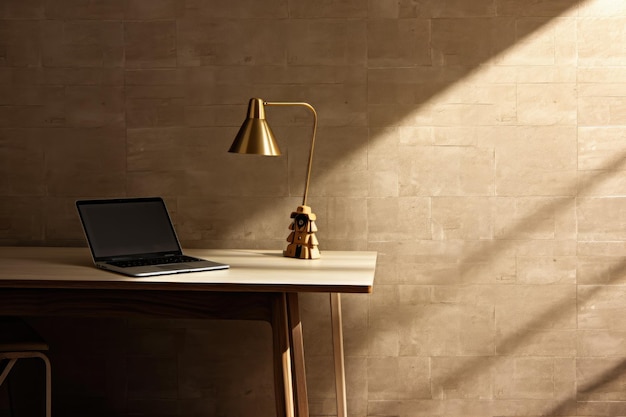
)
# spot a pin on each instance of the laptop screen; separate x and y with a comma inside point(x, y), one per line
point(124, 227)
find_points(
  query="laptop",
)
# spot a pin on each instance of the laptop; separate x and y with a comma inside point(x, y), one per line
point(136, 237)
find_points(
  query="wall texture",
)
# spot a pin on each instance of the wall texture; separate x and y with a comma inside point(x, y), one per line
point(478, 145)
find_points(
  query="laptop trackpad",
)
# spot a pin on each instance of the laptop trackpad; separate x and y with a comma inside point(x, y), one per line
point(172, 267)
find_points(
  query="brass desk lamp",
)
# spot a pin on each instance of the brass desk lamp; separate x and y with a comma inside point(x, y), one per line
point(256, 137)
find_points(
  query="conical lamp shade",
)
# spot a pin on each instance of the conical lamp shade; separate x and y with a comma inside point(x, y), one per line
point(255, 135)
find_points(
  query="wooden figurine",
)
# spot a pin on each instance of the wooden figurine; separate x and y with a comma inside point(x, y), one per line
point(302, 241)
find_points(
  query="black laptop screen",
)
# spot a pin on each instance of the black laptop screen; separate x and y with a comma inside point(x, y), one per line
point(117, 228)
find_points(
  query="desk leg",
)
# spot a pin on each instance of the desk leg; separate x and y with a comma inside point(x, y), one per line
point(297, 352)
point(283, 378)
point(340, 371)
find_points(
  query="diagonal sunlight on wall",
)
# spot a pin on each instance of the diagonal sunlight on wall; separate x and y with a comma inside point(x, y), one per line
point(547, 54)
point(467, 98)
point(490, 96)
point(571, 186)
point(461, 166)
point(451, 91)
point(533, 326)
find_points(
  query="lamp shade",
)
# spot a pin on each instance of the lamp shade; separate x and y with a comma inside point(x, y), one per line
point(255, 135)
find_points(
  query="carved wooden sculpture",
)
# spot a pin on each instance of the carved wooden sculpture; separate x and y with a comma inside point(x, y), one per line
point(302, 241)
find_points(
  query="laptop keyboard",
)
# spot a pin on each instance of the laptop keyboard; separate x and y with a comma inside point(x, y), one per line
point(154, 261)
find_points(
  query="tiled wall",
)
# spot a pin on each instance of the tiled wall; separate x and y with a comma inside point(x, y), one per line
point(478, 145)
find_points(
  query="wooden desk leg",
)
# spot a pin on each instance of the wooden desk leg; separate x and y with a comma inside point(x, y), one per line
point(297, 352)
point(283, 378)
point(340, 370)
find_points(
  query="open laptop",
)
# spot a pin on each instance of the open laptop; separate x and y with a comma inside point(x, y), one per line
point(136, 237)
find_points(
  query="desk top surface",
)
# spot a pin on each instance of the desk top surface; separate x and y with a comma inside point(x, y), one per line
point(250, 270)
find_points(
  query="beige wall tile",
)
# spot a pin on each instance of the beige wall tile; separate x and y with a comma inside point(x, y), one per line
point(19, 39)
point(383, 184)
point(544, 327)
point(16, 9)
point(165, 183)
point(534, 378)
point(601, 407)
point(535, 218)
point(153, 10)
point(150, 44)
point(78, 9)
point(601, 248)
point(398, 43)
point(465, 218)
point(459, 136)
point(601, 8)
point(546, 270)
point(61, 221)
point(537, 161)
point(153, 112)
point(542, 41)
point(470, 41)
point(398, 219)
point(22, 169)
point(461, 378)
point(384, 328)
point(405, 85)
point(547, 248)
point(259, 42)
point(601, 104)
point(601, 149)
point(600, 269)
point(457, 8)
point(601, 183)
point(604, 50)
point(600, 379)
point(82, 43)
point(476, 105)
point(383, 9)
point(553, 8)
point(599, 306)
point(546, 105)
point(94, 106)
point(544, 74)
point(341, 219)
point(601, 343)
point(468, 171)
point(594, 224)
point(224, 9)
point(398, 378)
point(85, 162)
point(431, 8)
point(326, 42)
point(598, 75)
point(441, 329)
point(21, 220)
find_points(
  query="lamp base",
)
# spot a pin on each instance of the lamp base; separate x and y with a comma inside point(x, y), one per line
point(302, 241)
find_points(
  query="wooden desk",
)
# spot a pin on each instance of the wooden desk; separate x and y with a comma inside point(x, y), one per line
point(260, 285)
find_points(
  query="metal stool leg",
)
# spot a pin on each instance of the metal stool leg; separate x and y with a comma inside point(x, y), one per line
point(6, 370)
point(48, 382)
point(13, 358)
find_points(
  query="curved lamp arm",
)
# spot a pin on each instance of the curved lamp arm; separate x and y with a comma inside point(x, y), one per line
point(310, 162)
